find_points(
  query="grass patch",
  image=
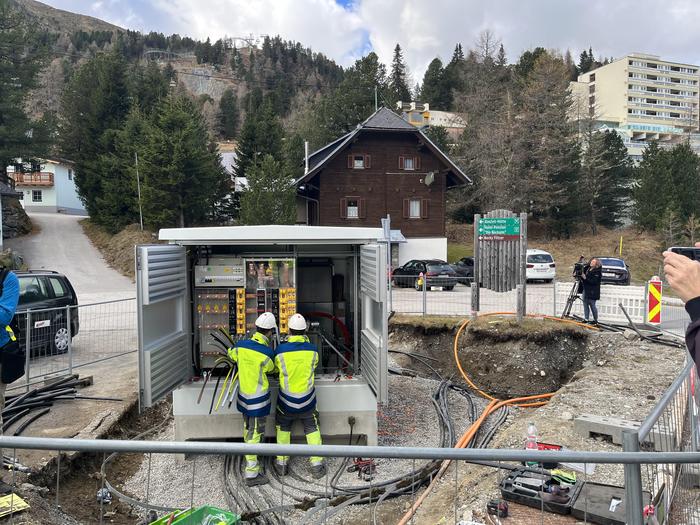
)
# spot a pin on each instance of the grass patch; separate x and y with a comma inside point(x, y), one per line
point(426, 322)
point(118, 249)
point(456, 251)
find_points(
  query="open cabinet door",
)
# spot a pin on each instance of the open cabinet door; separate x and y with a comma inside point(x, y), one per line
point(374, 327)
point(165, 342)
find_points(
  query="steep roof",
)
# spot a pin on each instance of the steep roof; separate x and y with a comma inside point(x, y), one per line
point(381, 120)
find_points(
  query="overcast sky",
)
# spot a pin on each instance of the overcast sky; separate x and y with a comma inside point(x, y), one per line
point(348, 29)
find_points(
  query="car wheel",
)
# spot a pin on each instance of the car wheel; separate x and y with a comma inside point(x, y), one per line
point(548, 280)
point(448, 288)
point(60, 341)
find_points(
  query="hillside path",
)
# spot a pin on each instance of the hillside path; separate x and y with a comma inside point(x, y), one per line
point(62, 246)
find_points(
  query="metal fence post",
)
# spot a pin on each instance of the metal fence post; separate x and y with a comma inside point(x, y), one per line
point(28, 344)
point(70, 341)
point(425, 295)
point(633, 481)
point(554, 298)
point(519, 308)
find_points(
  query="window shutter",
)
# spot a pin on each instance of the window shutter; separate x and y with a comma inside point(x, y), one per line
point(362, 209)
point(406, 208)
point(350, 164)
point(368, 161)
point(401, 163)
point(343, 208)
point(416, 163)
point(424, 208)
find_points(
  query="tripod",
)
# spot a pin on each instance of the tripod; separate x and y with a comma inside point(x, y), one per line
point(573, 295)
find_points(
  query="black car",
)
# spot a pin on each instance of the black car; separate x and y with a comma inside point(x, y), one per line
point(435, 271)
point(46, 294)
point(615, 271)
point(464, 269)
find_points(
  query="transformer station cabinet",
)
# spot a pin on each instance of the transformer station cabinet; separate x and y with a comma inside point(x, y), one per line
point(213, 278)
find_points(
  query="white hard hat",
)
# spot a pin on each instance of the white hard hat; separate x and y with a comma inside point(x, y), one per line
point(297, 322)
point(266, 321)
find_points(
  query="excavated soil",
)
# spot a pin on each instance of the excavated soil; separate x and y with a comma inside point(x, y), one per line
point(502, 357)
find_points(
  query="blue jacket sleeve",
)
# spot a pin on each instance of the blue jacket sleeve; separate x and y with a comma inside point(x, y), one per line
point(9, 299)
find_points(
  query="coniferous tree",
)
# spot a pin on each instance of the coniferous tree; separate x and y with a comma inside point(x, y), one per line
point(270, 197)
point(21, 56)
point(501, 59)
point(650, 177)
point(260, 135)
point(96, 100)
point(527, 61)
point(398, 78)
point(228, 114)
point(182, 172)
point(434, 89)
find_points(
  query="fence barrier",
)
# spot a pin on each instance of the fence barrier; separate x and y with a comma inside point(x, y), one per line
point(327, 502)
point(57, 340)
point(672, 426)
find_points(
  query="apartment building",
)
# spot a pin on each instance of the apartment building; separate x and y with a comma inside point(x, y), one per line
point(643, 98)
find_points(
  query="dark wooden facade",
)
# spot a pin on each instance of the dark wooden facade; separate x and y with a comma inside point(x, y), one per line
point(382, 186)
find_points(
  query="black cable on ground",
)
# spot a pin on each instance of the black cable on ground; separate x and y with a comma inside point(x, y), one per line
point(29, 421)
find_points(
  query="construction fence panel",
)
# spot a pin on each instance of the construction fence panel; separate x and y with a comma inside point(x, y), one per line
point(58, 340)
point(611, 296)
point(445, 296)
point(672, 426)
point(674, 318)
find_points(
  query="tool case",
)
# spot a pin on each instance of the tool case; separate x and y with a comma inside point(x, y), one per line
point(524, 487)
point(603, 504)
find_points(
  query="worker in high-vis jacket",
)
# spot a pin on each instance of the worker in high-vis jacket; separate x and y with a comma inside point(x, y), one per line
point(296, 361)
point(255, 359)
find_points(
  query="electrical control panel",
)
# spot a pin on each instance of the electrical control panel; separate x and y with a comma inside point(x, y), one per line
point(220, 272)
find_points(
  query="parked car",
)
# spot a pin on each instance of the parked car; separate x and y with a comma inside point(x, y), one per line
point(46, 294)
point(615, 271)
point(435, 272)
point(464, 269)
point(540, 266)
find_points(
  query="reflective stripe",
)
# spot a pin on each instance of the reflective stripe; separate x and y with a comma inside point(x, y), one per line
point(254, 397)
point(293, 395)
point(253, 406)
point(285, 374)
point(10, 333)
point(297, 406)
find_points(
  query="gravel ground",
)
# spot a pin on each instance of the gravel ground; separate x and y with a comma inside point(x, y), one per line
point(409, 419)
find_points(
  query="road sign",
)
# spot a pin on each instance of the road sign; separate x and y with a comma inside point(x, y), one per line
point(654, 301)
point(499, 228)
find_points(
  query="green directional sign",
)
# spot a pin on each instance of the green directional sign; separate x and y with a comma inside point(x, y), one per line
point(499, 229)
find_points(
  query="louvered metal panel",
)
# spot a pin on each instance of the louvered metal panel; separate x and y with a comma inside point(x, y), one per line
point(165, 341)
point(374, 332)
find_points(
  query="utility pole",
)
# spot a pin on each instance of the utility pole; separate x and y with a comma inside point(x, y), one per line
point(138, 188)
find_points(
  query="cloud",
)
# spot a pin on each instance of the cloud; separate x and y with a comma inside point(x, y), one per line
point(323, 25)
point(346, 29)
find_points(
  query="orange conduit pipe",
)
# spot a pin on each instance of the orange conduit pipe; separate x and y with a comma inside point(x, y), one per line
point(494, 404)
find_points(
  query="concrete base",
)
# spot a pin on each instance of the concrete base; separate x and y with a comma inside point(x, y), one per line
point(336, 403)
point(586, 424)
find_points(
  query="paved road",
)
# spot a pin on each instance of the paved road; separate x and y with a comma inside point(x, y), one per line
point(61, 245)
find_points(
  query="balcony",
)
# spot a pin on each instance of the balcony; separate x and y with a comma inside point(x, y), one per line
point(33, 179)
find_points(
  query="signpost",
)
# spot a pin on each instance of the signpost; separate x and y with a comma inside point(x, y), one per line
point(500, 248)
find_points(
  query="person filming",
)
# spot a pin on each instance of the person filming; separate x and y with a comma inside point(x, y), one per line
point(590, 278)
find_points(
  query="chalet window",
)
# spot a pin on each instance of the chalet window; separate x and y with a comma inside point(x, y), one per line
point(359, 161)
point(409, 163)
point(36, 196)
point(415, 208)
point(352, 208)
point(70, 174)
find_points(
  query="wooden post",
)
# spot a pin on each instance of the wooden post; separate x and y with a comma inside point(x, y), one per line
point(477, 268)
point(523, 266)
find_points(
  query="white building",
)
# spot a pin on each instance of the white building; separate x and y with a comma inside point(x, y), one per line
point(50, 188)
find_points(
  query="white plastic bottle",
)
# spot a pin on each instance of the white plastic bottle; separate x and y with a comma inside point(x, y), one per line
point(531, 442)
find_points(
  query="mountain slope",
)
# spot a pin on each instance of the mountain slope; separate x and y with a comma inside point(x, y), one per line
point(60, 21)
